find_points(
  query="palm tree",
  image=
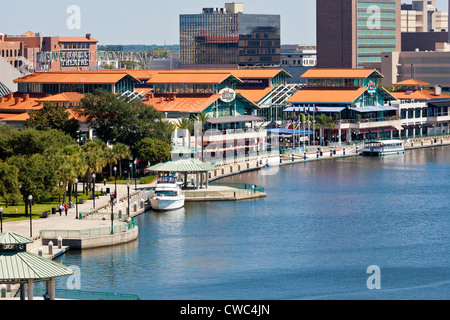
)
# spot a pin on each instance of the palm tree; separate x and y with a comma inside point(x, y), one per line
point(121, 152)
point(94, 152)
point(186, 124)
point(324, 121)
point(203, 119)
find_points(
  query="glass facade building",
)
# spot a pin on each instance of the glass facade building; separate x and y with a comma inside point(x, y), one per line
point(221, 38)
point(377, 29)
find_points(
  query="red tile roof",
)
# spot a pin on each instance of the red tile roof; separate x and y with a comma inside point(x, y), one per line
point(190, 104)
point(326, 96)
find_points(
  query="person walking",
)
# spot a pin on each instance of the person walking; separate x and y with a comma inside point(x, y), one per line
point(66, 208)
point(60, 209)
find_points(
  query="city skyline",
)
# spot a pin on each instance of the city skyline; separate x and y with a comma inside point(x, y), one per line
point(141, 18)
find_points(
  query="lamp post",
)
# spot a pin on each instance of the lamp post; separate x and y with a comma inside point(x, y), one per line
point(130, 173)
point(93, 188)
point(1, 220)
point(115, 182)
point(30, 199)
point(128, 211)
point(76, 198)
point(112, 214)
point(135, 183)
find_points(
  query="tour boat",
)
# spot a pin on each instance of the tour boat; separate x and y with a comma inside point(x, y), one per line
point(168, 194)
point(383, 148)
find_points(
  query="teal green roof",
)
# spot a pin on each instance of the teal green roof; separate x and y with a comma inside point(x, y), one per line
point(21, 266)
point(183, 166)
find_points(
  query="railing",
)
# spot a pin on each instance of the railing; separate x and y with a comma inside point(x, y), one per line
point(88, 233)
point(232, 194)
point(240, 186)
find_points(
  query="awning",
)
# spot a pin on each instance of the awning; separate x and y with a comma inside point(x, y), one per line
point(289, 131)
point(363, 131)
point(321, 109)
point(374, 109)
point(439, 104)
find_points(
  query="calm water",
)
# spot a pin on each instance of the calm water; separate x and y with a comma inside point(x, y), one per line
point(321, 226)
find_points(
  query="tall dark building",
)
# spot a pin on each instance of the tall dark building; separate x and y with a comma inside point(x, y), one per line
point(227, 36)
point(351, 33)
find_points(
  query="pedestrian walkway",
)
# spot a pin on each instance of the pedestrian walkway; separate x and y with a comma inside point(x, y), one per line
point(69, 222)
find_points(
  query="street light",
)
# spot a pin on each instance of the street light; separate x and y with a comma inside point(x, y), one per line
point(93, 188)
point(30, 198)
point(135, 183)
point(112, 214)
point(128, 211)
point(1, 220)
point(76, 198)
point(115, 182)
point(130, 172)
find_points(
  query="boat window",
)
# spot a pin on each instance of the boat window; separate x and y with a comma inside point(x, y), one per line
point(165, 193)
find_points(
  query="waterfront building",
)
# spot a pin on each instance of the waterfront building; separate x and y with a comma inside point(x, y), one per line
point(422, 111)
point(353, 98)
point(226, 37)
point(351, 33)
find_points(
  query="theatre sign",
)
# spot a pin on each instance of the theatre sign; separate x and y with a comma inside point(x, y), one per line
point(66, 58)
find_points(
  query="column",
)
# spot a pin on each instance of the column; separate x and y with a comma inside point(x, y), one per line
point(51, 292)
point(349, 135)
point(30, 289)
point(207, 180)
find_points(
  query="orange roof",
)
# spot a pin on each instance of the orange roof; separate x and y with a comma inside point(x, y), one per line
point(29, 34)
point(411, 82)
point(175, 77)
point(324, 73)
point(75, 77)
point(262, 73)
point(76, 39)
point(17, 117)
point(191, 104)
point(63, 97)
point(255, 95)
point(21, 104)
point(418, 95)
point(326, 96)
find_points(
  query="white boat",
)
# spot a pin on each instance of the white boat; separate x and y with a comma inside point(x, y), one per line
point(168, 194)
point(383, 148)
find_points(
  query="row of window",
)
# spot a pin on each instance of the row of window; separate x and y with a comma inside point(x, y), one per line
point(75, 45)
point(9, 53)
point(375, 50)
point(376, 32)
point(376, 41)
point(379, 5)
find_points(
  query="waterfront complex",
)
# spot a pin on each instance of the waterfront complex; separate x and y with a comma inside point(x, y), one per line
point(351, 33)
point(229, 37)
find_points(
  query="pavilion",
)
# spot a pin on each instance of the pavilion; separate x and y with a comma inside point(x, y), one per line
point(186, 167)
point(18, 266)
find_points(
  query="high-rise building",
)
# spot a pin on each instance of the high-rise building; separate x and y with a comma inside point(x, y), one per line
point(351, 33)
point(423, 16)
point(227, 36)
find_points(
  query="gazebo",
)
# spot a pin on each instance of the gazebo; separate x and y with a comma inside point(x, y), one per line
point(186, 167)
point(18, 266)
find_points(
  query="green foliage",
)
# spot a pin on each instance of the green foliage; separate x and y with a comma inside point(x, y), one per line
point(50, 117)
point(153, 150)
point(9, 183)
point(119, 119)
point(185, 123)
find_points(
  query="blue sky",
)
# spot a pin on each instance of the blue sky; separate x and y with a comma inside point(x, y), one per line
point(149, 21)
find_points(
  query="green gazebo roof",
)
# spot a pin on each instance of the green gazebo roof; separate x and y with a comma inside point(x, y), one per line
point(183, 166)
point(12, 238)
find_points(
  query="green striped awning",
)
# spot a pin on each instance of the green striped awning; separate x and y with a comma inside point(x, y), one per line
point(183, 166)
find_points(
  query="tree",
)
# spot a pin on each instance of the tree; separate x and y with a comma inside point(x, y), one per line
point(35, 178)
point(153, 150)
point(324, 121)
point(120, 119)
point(120, 152)
point(9, 183)
point(7, 137)
point(50, 117)
point(185, 124)
point(202, 118)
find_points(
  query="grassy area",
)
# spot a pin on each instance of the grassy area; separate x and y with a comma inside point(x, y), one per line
point(17, 212)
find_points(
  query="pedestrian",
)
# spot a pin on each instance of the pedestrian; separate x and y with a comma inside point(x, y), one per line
point(115, 194)
point(104, 182)
point(66, 208)
point(60, 209)
point(46, 297)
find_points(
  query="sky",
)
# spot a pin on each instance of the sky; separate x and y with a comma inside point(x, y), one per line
point(148, 21)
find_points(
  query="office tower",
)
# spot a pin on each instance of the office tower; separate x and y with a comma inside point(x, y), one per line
point(227, 36)
point(351, 33)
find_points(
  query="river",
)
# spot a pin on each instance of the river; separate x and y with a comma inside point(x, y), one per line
point(322, 225)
